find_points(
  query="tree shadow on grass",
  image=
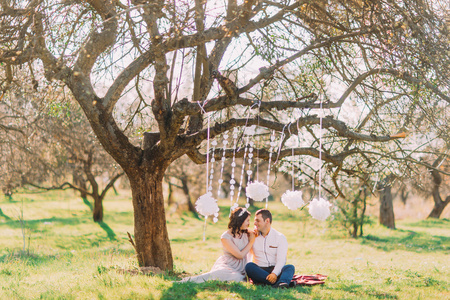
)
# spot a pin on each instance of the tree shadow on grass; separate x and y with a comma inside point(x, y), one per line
point(110, 233)
point(408, 240)
point(33, 224)
point(4, 216)
point(190, 290)
point(430, 223)
point(89, 204)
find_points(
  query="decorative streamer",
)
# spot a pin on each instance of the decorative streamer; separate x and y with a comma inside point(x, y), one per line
point(206, 205)
point(233, 165)
point(272, 145)
point(242, 169)
point(220, 181)
point(292, 199)
point(320, 208)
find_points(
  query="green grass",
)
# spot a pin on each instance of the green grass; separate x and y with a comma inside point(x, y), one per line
point(68, 256)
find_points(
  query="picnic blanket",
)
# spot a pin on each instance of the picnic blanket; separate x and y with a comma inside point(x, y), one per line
point(308, 279)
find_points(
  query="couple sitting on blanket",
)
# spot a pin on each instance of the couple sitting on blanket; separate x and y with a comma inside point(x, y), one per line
point(267, 246)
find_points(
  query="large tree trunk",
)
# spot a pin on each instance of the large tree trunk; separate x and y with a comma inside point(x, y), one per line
point(386, 206)
point(439, 205)
point(150, 230)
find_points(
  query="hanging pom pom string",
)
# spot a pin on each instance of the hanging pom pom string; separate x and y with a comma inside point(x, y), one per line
point(242, 169)
point(249, 170)
point(292, 199)
point(224, 146)
point(320, 208)
point(272, 145)
point(320, 149)
point(211, 177)
point(206, 205)
point(233, 165)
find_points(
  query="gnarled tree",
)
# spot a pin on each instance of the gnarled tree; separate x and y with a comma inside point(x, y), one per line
point(103, 51)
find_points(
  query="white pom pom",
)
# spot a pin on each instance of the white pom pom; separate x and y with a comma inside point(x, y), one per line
point(319, 209)
point(258, 191)
point(215, 220)
point(206, 205)
point(292, 199)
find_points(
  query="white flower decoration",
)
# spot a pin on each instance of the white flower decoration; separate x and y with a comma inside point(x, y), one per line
point(258, 191)
point(292, 199)
point(206, 205)
point(319, 209)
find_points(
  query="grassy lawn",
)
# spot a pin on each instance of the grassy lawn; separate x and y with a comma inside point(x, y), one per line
point(68, 256)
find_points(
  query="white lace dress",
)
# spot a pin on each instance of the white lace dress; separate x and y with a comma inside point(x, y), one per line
point(227, 267)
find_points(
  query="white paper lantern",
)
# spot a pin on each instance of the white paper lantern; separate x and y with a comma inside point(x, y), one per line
point(292, 199)
point(206, 205)
point(258, 191)
point(319, 209)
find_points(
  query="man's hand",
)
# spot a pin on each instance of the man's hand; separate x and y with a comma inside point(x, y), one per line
point(272, 278)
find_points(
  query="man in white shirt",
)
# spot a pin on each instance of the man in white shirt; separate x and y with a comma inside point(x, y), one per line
point(269, 254)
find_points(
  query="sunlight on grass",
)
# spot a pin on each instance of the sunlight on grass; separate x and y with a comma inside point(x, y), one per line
point(68, 256)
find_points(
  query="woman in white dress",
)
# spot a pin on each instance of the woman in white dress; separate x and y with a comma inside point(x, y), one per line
point(236, 242)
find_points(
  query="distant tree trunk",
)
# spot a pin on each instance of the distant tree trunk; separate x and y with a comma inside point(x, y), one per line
point(386, 206)
point(404, 194)
point(185, 187)
point(80, 182)
point(170, 195)
point(363, 211)
point(98, 208)
point(355, 215)
point(439, 205)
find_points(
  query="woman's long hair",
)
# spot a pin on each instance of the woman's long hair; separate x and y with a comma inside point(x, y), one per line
point(237, 218)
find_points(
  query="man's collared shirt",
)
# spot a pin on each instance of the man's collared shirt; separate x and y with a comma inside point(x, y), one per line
point(270, 251)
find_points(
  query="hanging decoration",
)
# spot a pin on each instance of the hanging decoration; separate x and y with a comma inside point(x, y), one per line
point(319, 209)
point(220, 181)
point(258, 191)
point(233, 165)
point(292, 199)
point(206, 205)
point(272, 146)
point(242, 170)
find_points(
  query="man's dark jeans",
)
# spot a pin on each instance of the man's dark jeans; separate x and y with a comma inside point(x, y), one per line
point(258, 274)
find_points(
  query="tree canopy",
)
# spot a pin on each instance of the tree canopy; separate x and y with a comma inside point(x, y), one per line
point(286, 66)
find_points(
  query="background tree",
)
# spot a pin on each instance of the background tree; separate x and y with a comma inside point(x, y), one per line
point(102, 50)
point(44, 143)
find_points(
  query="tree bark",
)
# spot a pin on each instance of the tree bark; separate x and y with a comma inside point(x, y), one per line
point(150, 231)
point(98, 208)
point(439, 205)
point(386, 206)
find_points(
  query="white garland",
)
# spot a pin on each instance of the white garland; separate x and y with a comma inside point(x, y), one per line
point(258, 191)
point(206, 205)
point(292, 199)
point(319, 209)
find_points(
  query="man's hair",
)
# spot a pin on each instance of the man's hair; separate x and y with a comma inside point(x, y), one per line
point(265, 213)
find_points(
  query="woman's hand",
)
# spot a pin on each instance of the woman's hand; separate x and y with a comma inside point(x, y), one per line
point(251, 236)
point(256, 232)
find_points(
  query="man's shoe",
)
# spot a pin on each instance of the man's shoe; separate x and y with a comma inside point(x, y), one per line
point(292, 284)
point(281, 285)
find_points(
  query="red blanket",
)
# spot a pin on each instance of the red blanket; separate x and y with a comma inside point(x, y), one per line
point(309, 279)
